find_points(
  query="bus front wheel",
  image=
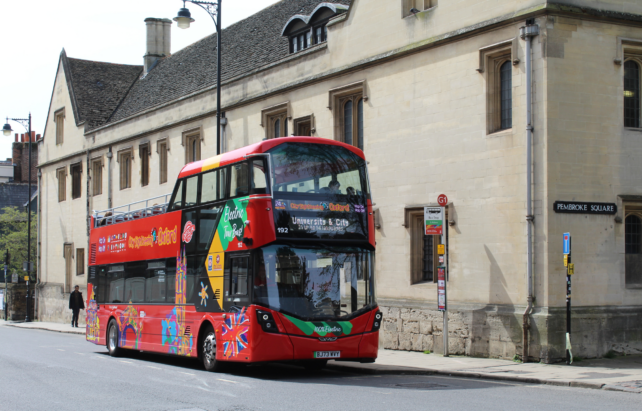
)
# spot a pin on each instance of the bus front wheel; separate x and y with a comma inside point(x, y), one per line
point(208, 350)
point(112, 339)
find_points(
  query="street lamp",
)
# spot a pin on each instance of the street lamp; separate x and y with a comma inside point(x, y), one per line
point(184, 19)
point(6, 130)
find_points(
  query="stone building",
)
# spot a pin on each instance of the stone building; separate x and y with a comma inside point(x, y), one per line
point(435, 94)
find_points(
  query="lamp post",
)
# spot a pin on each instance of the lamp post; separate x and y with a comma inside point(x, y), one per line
point(184, 19)
point(6, 130)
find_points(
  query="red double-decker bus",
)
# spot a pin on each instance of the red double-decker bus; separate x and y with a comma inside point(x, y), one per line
point(265, 253)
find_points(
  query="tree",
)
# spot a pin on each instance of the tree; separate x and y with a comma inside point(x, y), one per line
point(13, 237)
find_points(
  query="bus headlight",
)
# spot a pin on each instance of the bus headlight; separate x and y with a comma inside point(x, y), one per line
point(376, 324)
point(266, 320)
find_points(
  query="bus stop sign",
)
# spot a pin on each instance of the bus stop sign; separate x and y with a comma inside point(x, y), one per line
point(442, 200)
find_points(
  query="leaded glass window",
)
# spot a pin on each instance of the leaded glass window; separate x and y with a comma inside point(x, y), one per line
point(506, 85)
point(360, 124)
point(631, 94)
point(347, 115)
point(633, 234)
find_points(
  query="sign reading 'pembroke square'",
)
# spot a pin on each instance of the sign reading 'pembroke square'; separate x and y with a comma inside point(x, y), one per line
point(579, 207)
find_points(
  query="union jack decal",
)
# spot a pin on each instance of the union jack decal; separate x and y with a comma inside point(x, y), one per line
point(235, 331)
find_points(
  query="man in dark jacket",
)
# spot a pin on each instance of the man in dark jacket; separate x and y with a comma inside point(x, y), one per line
point(76, 304)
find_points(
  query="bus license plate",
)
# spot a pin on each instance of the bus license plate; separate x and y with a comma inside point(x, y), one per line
point(327, 354)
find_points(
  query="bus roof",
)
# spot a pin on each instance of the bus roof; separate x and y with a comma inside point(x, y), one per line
point(266, 145)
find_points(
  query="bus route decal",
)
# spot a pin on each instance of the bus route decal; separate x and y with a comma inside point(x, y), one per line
point(232, 223)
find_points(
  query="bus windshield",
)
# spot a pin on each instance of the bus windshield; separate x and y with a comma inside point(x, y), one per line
point(318, 169)
point(314, 283)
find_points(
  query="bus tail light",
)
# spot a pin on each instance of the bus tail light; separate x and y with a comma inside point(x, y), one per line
point(267, 321)
point(377, 321)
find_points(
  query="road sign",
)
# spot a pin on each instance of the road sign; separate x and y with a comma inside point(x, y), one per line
point(567, 243)
point(565, 260)
point(442, 200)
point(26, 278)
point(441, 288)
point(571, 269)
point(434, 220)
point(441, 249)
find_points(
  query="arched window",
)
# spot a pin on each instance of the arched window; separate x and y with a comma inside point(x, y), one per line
point(506, 90)
point(360, 124)
point(632, 234)
point(631, 94)
point(277, 128)
point(347, 115)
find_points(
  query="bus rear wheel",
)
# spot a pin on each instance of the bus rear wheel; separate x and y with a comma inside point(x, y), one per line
point(207, 348)
point(112, 339)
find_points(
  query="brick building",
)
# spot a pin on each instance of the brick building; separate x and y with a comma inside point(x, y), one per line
point(435, 95)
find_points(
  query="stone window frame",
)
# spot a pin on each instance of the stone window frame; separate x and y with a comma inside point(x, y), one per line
point(491, 58)
point(125, 168)
point(162, 149)
point(421, 5)
point(59, 119)
point(337, 98)
point(61, 175)
point(632, 209)
point(189, 137)
point(144, 162)
point(631, 50)
point(411, 214)
point(80, 261)
point(305, 119)
point(76, 184)
point(270, 115)
point(96, 163)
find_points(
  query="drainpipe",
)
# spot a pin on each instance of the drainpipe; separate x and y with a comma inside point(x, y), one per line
point(527, 33)
point(36, 305)
point(109, 156)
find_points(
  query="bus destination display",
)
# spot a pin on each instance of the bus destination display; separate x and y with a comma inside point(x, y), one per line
point(320, 219)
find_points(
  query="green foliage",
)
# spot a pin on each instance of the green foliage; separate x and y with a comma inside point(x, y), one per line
point(517, 358)
point(13, 236)
point(427, 352)
point(610, 355)
point(577, 359)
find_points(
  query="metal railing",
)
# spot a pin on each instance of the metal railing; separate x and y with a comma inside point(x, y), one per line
point(132, 211)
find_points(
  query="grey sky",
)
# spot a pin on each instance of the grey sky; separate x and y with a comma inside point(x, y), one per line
point(111, 31)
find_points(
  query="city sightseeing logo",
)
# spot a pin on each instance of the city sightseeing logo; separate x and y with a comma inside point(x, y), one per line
point(188, 232)
point(157, 237)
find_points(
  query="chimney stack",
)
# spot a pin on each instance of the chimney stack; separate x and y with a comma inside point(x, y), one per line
point(158, 41)
point(16, 137)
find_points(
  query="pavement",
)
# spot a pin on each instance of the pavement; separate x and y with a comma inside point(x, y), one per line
point(622, 373)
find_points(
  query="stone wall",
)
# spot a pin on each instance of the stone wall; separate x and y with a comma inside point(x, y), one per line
point(16, 302)
point(495, 331)
point(53, 304)
point(488, 331)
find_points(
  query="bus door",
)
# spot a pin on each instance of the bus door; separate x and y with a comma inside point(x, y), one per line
point(237, 280)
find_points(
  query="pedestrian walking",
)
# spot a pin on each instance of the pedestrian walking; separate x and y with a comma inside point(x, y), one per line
point(76, 304)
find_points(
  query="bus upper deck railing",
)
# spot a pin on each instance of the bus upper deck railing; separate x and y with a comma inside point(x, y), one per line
point(132, 211)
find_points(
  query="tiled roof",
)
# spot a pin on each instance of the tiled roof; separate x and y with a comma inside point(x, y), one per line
point(14, 195)
point(247, 45)
point(99, 87)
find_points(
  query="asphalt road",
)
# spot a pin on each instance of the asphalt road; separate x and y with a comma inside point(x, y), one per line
point(43, 370)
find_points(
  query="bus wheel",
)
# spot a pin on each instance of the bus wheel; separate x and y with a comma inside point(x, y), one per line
point(112, 339)
point(315, 365)
point(208, 350)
